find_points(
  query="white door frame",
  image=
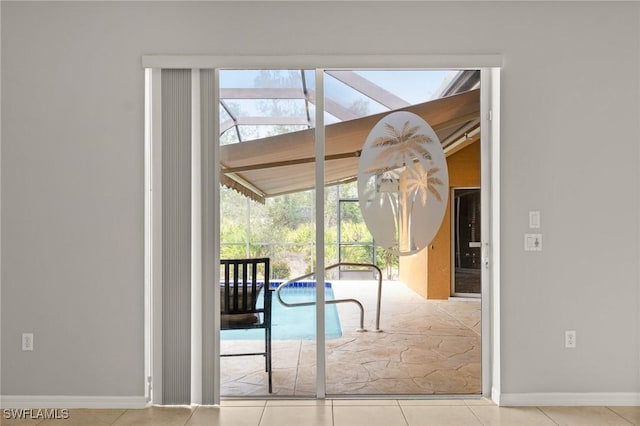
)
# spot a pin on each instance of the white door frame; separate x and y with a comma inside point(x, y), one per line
point(490, 183)
point(153, 238)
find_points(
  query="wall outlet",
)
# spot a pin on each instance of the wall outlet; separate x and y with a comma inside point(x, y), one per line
point(27, 341)
point(570, 339)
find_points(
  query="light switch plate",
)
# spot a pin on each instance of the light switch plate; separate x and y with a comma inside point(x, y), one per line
point(532, 242)
point(534, 219)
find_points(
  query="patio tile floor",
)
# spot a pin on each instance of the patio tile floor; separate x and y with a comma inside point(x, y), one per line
point(426, 347)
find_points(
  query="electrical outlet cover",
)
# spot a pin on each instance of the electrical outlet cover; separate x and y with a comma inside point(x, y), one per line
point(570, 339)
point(27, 341)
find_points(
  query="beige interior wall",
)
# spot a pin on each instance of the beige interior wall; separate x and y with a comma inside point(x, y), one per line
point(72, 209)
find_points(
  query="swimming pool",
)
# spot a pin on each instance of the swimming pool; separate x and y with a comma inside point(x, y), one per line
point(296, 323)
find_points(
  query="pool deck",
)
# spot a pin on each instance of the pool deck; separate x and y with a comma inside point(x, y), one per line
point(426, 348)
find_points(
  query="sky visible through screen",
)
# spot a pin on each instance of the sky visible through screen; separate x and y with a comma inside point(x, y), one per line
point(412, 86)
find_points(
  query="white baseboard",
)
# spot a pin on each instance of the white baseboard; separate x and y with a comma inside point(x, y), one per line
point(568, 399)
point(55, 401)
point(501, 399)
point(495, 395)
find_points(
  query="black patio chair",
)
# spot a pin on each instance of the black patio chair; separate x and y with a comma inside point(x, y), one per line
point(241, 281)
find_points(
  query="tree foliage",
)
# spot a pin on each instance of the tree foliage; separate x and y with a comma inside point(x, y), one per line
point(284, 227)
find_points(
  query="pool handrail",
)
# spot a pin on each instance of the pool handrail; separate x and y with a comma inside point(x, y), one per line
point(357, 302)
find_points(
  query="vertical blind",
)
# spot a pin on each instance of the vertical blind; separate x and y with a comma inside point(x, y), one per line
point(176, 232)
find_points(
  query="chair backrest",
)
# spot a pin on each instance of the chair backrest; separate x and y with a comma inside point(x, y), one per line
point(241, 282)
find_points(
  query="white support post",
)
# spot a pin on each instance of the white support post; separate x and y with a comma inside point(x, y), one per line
point(147, 237)
point(155, 242)
point(495, 307)
point(319, 152)
point(212, 212)
point(490, 183)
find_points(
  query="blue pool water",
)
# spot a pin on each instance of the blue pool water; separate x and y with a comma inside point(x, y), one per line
point(294, 323)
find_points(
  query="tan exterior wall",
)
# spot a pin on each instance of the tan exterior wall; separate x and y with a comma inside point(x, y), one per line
point(428, 272)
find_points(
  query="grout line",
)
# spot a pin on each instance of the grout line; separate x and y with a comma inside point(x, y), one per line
point(264, 407)
point(548, 416)
point(191, 415)
point(470, 408)
point(404, 416)
point(333, 416)
point(119, 417)
point(619, 415)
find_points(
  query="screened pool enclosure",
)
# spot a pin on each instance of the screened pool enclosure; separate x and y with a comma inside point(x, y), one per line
point(267, 127)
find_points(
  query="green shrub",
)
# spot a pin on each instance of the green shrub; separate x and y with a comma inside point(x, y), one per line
point(280, 270)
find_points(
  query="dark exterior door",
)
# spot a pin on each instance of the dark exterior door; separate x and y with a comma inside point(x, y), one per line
point(467, 245)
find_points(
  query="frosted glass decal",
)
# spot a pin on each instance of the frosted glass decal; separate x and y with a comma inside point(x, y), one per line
point(403, 183)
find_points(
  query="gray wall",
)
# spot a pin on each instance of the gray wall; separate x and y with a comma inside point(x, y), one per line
point(72, 172)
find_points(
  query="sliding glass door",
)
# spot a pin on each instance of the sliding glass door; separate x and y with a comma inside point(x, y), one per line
point(392, 339)
point(267, 153)
point(283, 150)
point(381, 335)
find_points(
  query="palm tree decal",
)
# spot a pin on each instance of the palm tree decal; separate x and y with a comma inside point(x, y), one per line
point(402, 145)
point(420, 182)
point(403, 175)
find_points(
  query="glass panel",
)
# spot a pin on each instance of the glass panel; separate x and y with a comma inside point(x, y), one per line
point(423, 346)
point(349, 98)
point(249, 79)
point(261, 103)
point(278, 108)
point(356, 253)
point(431, 82)
point(224, 115)
point(352, 226)
point(256, 222)
point(229, 136)
point(249, 133)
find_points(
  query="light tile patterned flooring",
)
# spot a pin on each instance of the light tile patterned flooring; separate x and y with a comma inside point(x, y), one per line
point(345, 412)
point(426, 347)
point(365, 363)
